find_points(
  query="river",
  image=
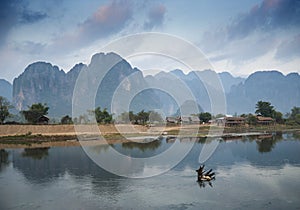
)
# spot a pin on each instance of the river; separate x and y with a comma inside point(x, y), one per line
point(251, 173)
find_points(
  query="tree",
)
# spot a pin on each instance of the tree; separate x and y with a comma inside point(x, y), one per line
point(251, 119)
point(294, 116)
point(264, 108)
point(66, 120)
point(4, 109)
point(143, 117)
point(102, 116)
point(34, 112)
point(278, 117)
point(205, 117)
point(297, 119)
point(132, 117)
point(107, 118)
point(295, 111)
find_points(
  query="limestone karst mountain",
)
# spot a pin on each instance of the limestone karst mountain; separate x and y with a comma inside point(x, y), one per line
point(43, 82)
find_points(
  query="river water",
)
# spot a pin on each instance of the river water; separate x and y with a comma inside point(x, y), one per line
point(251, 173)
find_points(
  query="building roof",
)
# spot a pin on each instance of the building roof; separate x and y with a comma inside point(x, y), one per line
point(260, 118)
point(235, 118)
point(171, 119)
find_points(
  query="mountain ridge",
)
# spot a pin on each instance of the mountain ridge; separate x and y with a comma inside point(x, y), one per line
point(6, 89)
point(47, 83)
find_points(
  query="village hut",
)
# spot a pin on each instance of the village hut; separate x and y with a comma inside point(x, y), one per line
point(264, 120)
point(231, 121)
point(172, 120)
point(43, 120)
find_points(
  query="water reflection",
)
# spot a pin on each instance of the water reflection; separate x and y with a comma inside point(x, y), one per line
point(266, 144)
point(296, 135)
point(251, 173)
point(142, 146)
point(203, 184)
point(44, 164)
point(3, 159)
point(59, 161)
point(36, 153)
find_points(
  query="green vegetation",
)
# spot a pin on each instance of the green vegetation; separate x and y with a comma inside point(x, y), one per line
point(34, 112)
point(140, 118)
point(36, 153)
point(205, 117)
point(4, 109)
point(293, 118)
point(28, 139)
point(264, 109)
point(102, 116)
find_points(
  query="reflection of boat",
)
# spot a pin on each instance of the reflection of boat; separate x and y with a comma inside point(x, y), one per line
point(170, 139)
point(265, 136)
point(230, 137)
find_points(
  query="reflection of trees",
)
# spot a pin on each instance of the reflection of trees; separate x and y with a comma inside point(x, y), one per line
point(100, 148)
point(267, 144)
point(3, 158)
point(296, 135)
point(278, 136)
point(36, 153)
point(142, 146)
point(205, 140)
point(62, 160)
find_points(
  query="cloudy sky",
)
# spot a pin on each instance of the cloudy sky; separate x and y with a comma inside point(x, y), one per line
point(237, 36)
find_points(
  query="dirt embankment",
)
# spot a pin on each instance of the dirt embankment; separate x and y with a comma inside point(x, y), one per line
point(64, 130)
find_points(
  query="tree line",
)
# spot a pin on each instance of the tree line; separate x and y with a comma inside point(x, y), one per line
point(102, 116)
point(264, 109)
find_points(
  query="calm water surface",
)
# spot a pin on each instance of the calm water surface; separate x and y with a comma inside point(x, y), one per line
point(251, 173)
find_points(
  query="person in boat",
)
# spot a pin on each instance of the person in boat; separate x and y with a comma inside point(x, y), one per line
point(203, 175)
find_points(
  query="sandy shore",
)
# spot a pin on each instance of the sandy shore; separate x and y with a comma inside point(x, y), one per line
point(52, 130)
point(23, 136)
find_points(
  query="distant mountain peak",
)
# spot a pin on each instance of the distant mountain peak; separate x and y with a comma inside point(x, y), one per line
point(6, 89)
point(46, 83)
point(106, 57)
point(41, 66)
point(178, 72)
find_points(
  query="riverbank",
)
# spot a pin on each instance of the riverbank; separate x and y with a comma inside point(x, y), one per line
point(29, 136)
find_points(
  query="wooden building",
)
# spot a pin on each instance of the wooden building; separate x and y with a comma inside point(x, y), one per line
point(189, 119)
point(172, 120)
point(265, 120)
point(43, 120)
point(231, 121)
point(183, 120)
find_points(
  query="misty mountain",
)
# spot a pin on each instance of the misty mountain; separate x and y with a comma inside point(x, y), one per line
point(119, 84)
point(197, 82)
point(282, 91)
point(228, 81)
point(43, 82)
point(114, 84)
point(6, 89)
point(241, 94)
